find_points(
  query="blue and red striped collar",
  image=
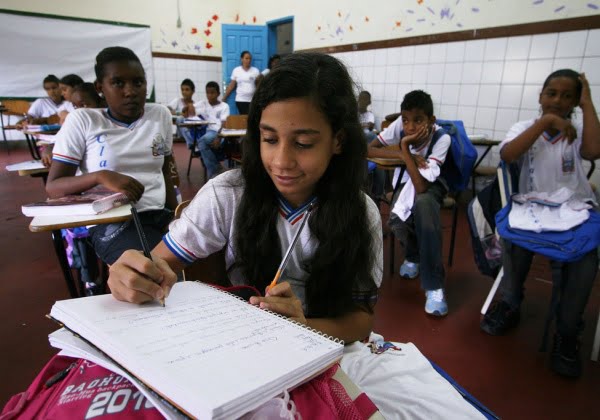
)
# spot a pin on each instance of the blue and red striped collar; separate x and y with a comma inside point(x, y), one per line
point(555, 139)
point(293, 215)
point(121, 123)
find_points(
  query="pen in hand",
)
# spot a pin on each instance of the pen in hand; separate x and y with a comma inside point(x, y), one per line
point(286, 257)
point(142, 235)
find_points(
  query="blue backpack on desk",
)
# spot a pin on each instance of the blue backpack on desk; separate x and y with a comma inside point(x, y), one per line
point(461, 157)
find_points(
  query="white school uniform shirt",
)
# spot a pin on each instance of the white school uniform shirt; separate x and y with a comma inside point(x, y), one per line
point(207, 225)
point(542, 165)
point(245, 83)
point(66, 106)
point(392, 136)
point(177, 104)
point(216, 114)
point(43, 108)
point(94, 141)
point(366, 117)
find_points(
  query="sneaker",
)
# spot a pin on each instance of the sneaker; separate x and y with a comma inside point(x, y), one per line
point(500, 318)
point(565, 358)
point(436, 302)
point(409, 269)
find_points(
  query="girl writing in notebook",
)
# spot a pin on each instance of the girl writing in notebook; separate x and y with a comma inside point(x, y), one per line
point(304, 150)
point(123, 148)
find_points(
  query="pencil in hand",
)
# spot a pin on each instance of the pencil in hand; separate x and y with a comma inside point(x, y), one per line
point(142, 236)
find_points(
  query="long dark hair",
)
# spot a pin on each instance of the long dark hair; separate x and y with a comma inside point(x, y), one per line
point(569, 74)
point(342, 263)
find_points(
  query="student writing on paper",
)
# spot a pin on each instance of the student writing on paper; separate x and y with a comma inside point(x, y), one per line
point(43, 108)
point(304, 146)
point(125, 148)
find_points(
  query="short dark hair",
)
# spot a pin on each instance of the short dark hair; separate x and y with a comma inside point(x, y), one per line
point(213, 85)
point(245, 52)
point(188, 82)
point(365, 92)
point(417, 99)
point(112, 54)
point(71, 80)
point(273, 58)
point(50, 79)
point(90, 90)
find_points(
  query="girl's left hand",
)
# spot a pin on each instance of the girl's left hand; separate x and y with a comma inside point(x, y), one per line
point(282, 300)
point(586, 93)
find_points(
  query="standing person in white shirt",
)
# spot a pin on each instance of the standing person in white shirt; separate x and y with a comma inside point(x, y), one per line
point(215, 111)
point(366, 117)
point(549, 151)
point(243, 80)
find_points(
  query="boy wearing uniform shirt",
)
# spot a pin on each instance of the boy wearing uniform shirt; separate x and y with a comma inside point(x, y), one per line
point(415, 217)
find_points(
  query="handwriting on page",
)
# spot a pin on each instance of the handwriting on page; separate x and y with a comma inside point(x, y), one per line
point(204, 329)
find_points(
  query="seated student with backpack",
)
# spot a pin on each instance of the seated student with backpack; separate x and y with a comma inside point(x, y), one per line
point(415, 217)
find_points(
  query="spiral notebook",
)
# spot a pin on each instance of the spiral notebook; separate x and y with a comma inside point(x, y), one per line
point(207, 352)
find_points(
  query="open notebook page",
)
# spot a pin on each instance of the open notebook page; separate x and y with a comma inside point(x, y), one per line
point(207, 351)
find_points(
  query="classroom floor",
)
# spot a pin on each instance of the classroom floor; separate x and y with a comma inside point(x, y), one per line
point(507, 374)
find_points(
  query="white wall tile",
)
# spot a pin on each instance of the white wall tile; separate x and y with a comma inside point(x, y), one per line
point(495, 48)
point(368, 75)
point(485, 118)
point(437, 53)
point(517, 47)
point(592, 47)
point(543, 46)
point(491, 71)
point(571, 44)
point(590, 66)
point(567, 63)
point(453, 72)
point(596, 98)
point(505, 118)
point(403, 89)
point(455, 53)
point(528, 114)
point(394, 56)
point(531, 96)
point(435, 90)
point(450, 93)
point(488, 95)
point(422, 53)
point(408, 55)
point(447, 112)
point(510, 96)
point(391, 74)
point(405, 73)
point(474, 50)
point(468, 95)
point(435, 73)
point(379, 74)
point(514, 72)
point(419, 74)
point(537, 71)
point(471, 72)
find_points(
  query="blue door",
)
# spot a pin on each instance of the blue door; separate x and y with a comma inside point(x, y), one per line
point(238, 38)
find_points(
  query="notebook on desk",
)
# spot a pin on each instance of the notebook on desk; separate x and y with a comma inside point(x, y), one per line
point(88, 203)
point(207, 352)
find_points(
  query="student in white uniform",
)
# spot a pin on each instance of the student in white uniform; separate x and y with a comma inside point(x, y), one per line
point(215, 111)
point(243, 80)
point(42, 108)
point(366, 117)
point(124, 148)
point(185, 107)
point(66, 85)
point(304, 147)
point(549, 151)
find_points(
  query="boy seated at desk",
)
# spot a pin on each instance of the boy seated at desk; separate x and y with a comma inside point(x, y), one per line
point(366, 117)
point(415, 216)
point(44, 110)
point(209, 144)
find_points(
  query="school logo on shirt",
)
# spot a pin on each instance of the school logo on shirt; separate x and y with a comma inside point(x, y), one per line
point(159, 145)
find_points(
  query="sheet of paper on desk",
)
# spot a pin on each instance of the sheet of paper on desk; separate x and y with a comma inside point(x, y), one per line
point(234, 131)
point(30, 164)
point(48, 138)
point(478, 136)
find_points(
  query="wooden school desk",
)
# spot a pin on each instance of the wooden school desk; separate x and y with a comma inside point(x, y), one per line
point(33, 168)
point(232, 140)
point(194, 126)
point(54, 224)
point(30, 136)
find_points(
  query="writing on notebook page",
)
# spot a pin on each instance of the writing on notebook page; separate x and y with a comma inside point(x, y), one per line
point(193, 321)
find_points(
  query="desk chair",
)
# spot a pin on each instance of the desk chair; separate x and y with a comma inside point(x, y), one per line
point(197, 132)
point(233, 151)
point(507, 188)
point(11, 107)
point(208, 270)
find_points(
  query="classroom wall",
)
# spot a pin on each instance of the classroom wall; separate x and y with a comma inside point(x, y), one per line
point(489, 84)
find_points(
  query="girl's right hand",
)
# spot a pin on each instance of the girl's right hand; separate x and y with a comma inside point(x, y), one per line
point(117, 182)
point(561, 124)
point(134, 278)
